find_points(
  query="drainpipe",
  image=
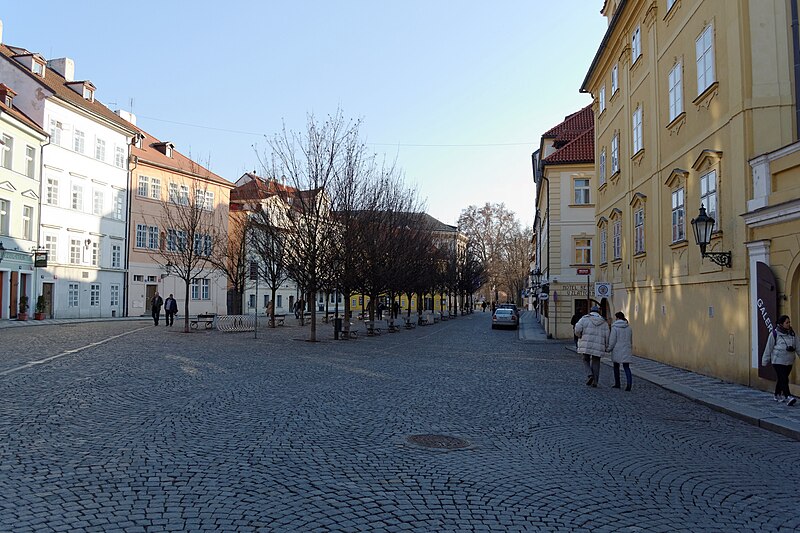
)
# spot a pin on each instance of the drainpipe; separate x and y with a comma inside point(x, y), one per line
point(796, 50)
point(37, 286)
point(128, 207)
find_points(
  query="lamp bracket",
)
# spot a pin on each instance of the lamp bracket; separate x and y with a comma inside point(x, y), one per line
point(722, 259)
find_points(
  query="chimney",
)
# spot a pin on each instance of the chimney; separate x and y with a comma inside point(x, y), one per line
point(1, 31)
point(64, 66)
point(126, 115)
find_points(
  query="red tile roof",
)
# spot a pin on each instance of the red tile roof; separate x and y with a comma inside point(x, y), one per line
point(573, 125)
point(578, 150)
point(178, 162)
point(58, 85)
point(258, 188)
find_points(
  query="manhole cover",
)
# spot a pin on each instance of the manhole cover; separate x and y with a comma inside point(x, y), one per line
point(438, 441)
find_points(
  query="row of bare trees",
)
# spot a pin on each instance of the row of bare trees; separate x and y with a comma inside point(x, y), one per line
point(501, 244)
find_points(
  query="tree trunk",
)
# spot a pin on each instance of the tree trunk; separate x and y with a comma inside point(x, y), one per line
point(186, 307)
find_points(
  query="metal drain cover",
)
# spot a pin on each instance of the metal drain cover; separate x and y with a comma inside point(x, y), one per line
point(445, 442)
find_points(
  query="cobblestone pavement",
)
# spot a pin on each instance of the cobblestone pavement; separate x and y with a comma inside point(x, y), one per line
point(157, 430)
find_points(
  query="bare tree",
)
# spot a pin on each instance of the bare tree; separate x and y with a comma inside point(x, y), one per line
point(193, 233)
point(269, 243)
point(308, 161)
point(231, 258)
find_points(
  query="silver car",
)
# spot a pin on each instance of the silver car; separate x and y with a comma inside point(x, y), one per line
point(504, 317)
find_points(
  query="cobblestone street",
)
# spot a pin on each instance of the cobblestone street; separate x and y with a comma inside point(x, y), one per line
point(157, 430)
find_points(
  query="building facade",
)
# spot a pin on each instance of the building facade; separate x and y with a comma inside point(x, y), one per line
point(21, 142)
point(685, 95)
point(175, 203)
point(84, 184)
point(564, 233)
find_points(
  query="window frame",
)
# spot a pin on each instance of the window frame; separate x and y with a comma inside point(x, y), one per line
point(639, 245)
point(7, 152)
point(30, 161)
point(27, 222)
point(636, 130)
point(52, 191)
point(615, 154)
point(116, 256)
point(94, 294)
point(603, 244)
point(100, 149)
point(141, 236)
point(706, 194)
point(585, 191)
point(614, 79)
point(602, 98)
point(75, 255)
point(636, 43)
point(76, 197)
point(79, 141)
point(675, 91)
point(679, 211)
point(602, 166)
point(584, 250)
point(5, 216)
point(616, 239)
point(73, 295)
point(705, 59)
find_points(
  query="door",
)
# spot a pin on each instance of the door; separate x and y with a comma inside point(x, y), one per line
point(14, 295)
point(47, 292)
point(151, 292)
point(581, 307)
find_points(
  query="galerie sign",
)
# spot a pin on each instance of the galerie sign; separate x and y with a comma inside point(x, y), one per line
point(766, 312)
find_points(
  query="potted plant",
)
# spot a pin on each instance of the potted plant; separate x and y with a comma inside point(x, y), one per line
point(22, 310)
point(41, 305)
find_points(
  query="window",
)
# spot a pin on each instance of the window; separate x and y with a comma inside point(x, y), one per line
point(209, 200)
point(675, 92)
point(79, 142)
point(51, 245)
point(100, 150)
point(207, 244)
point(77, 197)
point(636, 43)
point(638, 231)
point(637, 130)
point(37, 68)
point(119, 157)
point(119, 205)
point(670, 3)
point(198, 244)
point(184, 197)
point(602, 98)
point(199, 198)
point(704, 47)
point(583, 251)
point(602, 166)
point(617, 239)
point(143, 186)
point(72, 295)
point(96, 254)
point(266, 300)
point(251, 303)
point(75, 251)
point(152, 237)
point(5, 215)
point(603, 245)
point(708, 195)
point(7, 153)
point(581, 191)
point(172, 240)
point(155, 189)
point(181, 240)
point(116, 256)
point(614, 79)
point(27, 222)
point(52, 191)
point(138, 277)
point(173, 192)
point(678, 215)
point(94, 294)
point(615, 154)
point(55, 132)
point(97, 203)
point(141, 235)
point(30, 161)
point(280, 300)
point(114, 295)
point(200, 289)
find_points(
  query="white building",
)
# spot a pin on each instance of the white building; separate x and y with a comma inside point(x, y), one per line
point(84, 184)
point(20, 169)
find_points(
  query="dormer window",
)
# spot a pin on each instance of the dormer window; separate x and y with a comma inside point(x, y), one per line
point(164, 147)
point(7, 94)
point(88, 93)
point(84, 88)
point(38, 67)
point(8, 101)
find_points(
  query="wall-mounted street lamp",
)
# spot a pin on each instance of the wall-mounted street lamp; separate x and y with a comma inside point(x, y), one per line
point(703, 225)
point(537, 277)
point(167, 269)
point(2, 252)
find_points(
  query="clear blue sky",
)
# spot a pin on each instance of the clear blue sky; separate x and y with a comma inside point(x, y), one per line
point(458, 91)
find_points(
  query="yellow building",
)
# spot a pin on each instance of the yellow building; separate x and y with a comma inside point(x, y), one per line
point(685, 95)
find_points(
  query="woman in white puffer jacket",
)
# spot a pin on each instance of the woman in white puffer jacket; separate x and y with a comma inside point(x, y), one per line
point(620, 344)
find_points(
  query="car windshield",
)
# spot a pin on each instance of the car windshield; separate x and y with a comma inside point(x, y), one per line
point(503, 312)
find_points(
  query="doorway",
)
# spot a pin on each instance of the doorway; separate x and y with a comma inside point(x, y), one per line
point(47, 292)
point(13, 294)
point(150, 292)
point(581, 307)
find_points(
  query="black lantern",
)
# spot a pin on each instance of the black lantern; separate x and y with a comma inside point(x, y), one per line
point(703, 226)
point(537, 276)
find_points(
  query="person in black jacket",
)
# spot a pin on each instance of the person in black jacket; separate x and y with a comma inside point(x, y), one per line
point(155, 307)
point(170, 308)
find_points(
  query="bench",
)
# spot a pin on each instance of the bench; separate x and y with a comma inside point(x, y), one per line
point(445, 315)
point(410, 323)
point(394, 325)
point(207, 319)
point(375, 327)
point(351, 333)
point(280, 320)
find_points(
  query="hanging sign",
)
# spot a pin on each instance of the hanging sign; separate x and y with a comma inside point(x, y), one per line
point(40, 259)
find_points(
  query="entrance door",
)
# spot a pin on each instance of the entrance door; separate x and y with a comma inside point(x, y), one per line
point(14, 295)
point(47, 292)
point(581, 307)
point(151, 292)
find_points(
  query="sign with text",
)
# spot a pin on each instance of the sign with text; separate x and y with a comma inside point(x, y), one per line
point(766, 312)
point(40, 259)
point(602, 290)
point(584, 271)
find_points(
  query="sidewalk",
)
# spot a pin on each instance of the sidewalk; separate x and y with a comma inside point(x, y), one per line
point(58, 321)
point(750, 405)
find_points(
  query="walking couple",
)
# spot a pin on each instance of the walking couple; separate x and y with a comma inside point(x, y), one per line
point(595, 339)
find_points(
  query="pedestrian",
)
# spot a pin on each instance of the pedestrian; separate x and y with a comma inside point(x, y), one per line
point(620, 344)
point(577, 316)
point(380, 310)
point(780, 352)
point(170, 308)
point(592, 331)
point(297, 309)
point(155, 306)
point(396, 309)
point(483, 306)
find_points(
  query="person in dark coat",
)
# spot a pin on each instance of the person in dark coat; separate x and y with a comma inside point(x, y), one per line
point(577, 316)
point(155, 307)
point(170, 308)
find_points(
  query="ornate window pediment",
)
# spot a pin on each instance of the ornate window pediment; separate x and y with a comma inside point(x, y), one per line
point(707, 159)
point(602, 221)
point(676, 177)
point(638, 199)
point(615, 213)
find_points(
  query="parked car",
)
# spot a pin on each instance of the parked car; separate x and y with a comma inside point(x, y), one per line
point(510, 306)
point(504, 317)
